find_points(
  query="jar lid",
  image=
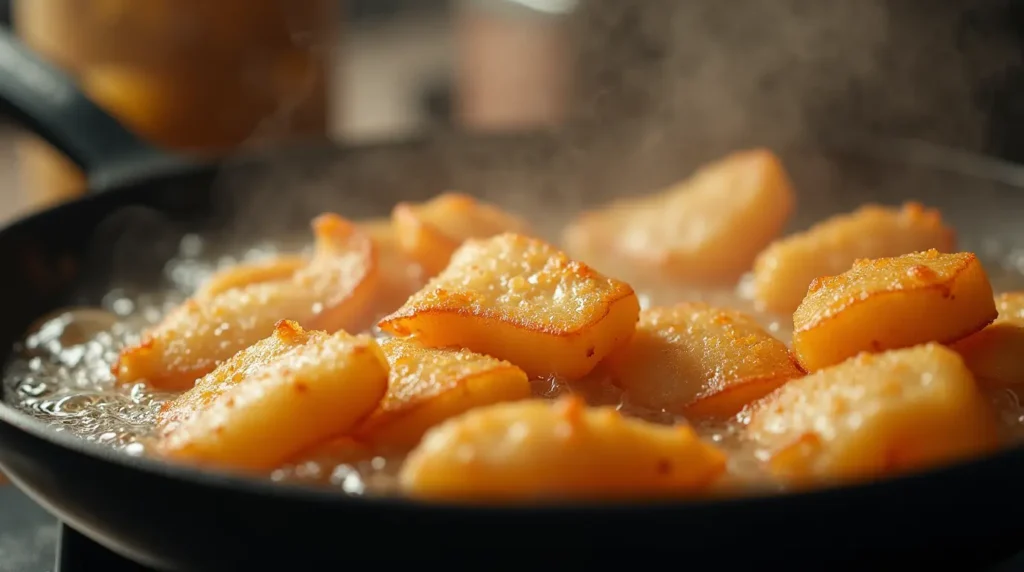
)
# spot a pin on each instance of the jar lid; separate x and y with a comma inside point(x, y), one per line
point(543, 8)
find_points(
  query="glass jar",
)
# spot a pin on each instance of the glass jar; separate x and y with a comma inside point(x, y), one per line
point(513, 63)
point(193, 75)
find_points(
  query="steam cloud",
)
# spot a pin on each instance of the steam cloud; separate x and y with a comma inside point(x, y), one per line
point(691, 80)
point(661, 86)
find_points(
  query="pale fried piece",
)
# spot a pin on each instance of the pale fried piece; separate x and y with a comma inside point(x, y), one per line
point(305, 396)
point(996, 354)
point(697, 360)
point(874, 415)
point(427, 386)
point(245, 274)
point(783, 271)
point(521, 300)
point(400, 275)
point(286, 337)
point(332, 292)
point(890, 303)
point(430, 232)
point(538, 449)
point(706, 229)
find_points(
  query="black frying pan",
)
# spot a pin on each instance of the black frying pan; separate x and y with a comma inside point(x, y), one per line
point(177, 518)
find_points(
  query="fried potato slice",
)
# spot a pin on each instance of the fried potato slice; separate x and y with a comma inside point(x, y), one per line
point(783, 271)
point(996, 354)
point(544, 450)
point(307, 395)
point(332, 292)
point(875, 415)
point(697, 360)
point(287, 336)
point(400, 275)
point(706, 229)
point(890, 303)
point(427, 386)
point(520, 299)
point(248, 273)
point(430, 232)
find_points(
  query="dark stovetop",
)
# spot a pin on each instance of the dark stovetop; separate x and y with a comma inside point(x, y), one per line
point(29, 540)
point(28, 536)
point(32, 541)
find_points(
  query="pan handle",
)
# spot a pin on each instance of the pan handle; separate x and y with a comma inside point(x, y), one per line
point(50, 103)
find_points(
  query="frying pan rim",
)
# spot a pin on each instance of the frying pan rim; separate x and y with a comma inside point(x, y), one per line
point(926, 156)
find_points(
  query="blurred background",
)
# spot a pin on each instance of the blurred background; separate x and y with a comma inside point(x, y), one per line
point(661, 77)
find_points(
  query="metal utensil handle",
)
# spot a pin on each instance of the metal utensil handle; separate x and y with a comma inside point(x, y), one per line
point(49, 103)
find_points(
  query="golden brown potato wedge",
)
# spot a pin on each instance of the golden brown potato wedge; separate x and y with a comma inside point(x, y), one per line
point(996, 354)
point(544, 450)
point(287, 336)
point(430, 232)
point(400, 275)
point(307, 395)
point(697, 360)
point(783, 271)
point(706, 229)
point(875, 415)
point(427, 386)
point(890, 303)
point(332, 292)
point(521, 300)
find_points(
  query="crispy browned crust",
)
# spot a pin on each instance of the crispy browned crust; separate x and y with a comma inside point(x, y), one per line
point(944, 288)
point(452, 306)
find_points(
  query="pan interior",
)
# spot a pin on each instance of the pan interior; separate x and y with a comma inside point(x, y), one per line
point(59, 372)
